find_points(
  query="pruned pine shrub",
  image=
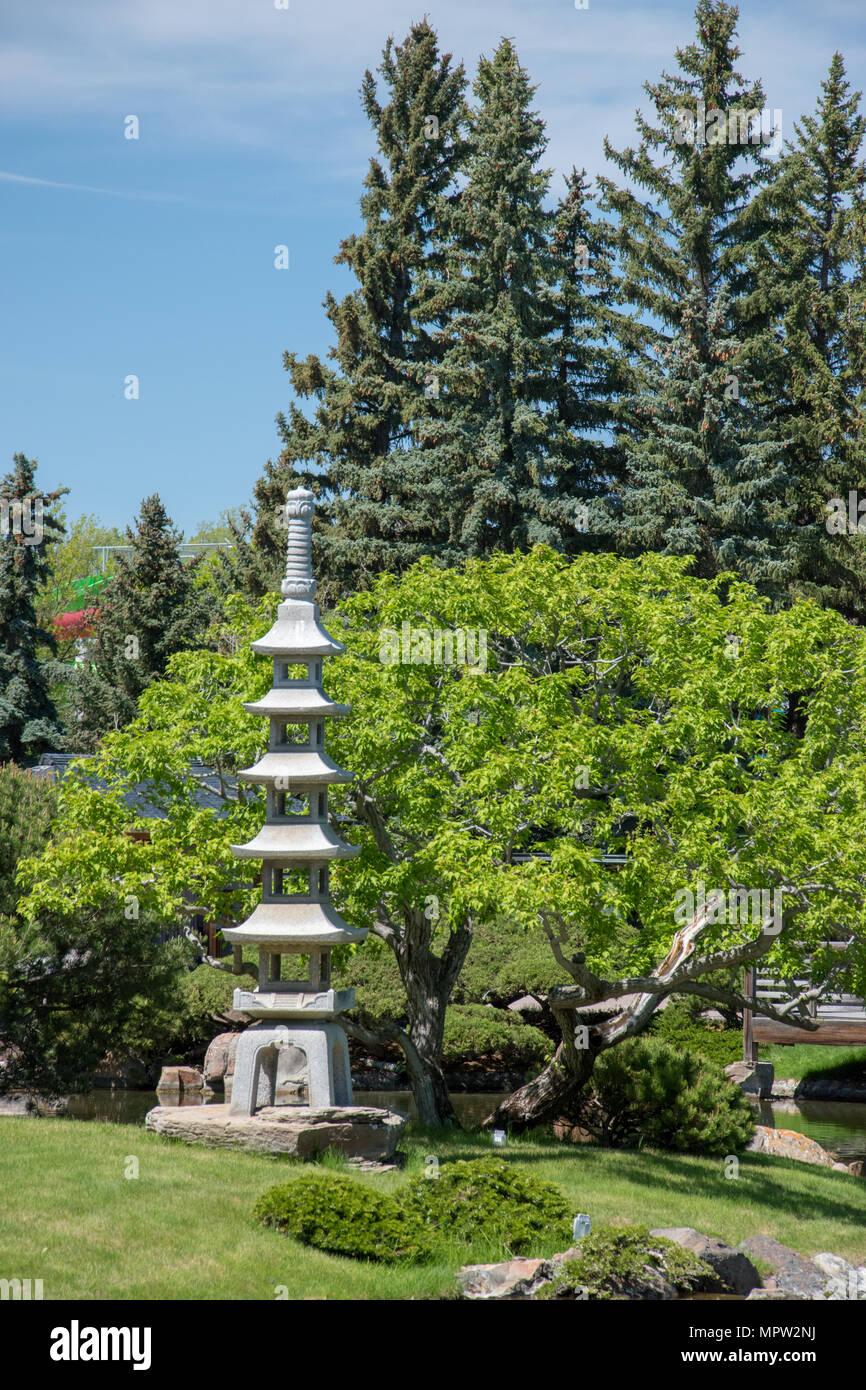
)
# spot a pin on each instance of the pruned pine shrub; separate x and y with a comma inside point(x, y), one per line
point(483, 1202)
point(486, 1199)
point(627, 1262)
point(646, 1093)
point(344, 1217)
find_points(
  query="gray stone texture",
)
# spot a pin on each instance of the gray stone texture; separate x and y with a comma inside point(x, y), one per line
point(357, 1131)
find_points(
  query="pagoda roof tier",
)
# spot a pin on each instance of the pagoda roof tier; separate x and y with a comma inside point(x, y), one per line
point(295, 770)
point(297, 633)
point(294, 925)
point(290, 841)
point(298, 703)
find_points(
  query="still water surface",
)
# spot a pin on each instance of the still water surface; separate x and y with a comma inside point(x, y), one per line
point(839, 1126)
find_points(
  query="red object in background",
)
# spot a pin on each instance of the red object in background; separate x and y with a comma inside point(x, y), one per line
point(80, 624)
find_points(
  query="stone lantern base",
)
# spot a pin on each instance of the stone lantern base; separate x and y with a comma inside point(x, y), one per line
point(358, 1131)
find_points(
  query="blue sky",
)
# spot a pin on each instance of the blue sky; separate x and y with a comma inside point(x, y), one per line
point(155, 257)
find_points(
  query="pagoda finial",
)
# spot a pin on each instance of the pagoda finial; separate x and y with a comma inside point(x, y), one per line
point(299, 582)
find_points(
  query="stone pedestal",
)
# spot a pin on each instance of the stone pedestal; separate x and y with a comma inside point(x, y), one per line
point(310, 1060)
point(358, 1131)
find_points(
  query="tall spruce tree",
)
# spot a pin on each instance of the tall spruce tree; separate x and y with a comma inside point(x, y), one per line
point(686, 267)
point(28, 526)
point(498, 372)
point(379, 506)
point(594, 346)
point(149, 610)
point(809, 270)
point(706, 456)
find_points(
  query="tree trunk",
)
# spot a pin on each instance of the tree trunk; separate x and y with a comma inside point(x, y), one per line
point(555, 1090)
point(429, 1090)
point(424, 1054)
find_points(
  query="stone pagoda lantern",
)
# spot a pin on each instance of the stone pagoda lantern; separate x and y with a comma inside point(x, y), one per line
point(297, 1047)
point(292, 1089)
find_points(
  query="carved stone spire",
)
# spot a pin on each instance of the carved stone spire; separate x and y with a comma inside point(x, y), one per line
point(299, 582)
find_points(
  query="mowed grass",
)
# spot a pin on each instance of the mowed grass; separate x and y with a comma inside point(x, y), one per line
point(806, 1059)
point(183, 1229)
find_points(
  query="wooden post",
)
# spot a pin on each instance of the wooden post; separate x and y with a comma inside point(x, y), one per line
point(750, 1047)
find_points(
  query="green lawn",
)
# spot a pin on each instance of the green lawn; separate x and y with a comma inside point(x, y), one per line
point(803, 1059)
point(182, 1229)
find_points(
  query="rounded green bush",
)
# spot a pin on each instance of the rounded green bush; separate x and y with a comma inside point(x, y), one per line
point(646, 1092)
point(344, 1217)
point(678, 1027)
point(486, 1199)
point(474, 1030)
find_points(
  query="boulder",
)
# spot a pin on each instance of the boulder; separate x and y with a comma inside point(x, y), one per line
point(513, 1279)
point(844, 1280)
point(732, 1267)
point(788, 1143)
point(773, 1295)
point(219, 1060)
point(791, 1273)
point(753, 1078)
point(180, 1079)
point(358, 1131)
point(526, 1004)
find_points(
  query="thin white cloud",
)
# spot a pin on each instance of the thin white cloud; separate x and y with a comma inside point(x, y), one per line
point(7, 177)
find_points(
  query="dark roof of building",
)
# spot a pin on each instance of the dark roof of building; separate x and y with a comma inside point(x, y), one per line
point(141, 797)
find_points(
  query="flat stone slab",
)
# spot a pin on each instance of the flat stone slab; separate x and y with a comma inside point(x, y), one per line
point(360, 1131)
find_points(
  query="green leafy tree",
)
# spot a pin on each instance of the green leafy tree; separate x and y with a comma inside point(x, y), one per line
point(28, 527)
point(75, 983)
point(148, 611)
point(629, 734)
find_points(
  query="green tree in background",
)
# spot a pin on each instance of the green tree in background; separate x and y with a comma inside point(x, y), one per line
point(73, 982)
point(382, 505)
point(685, 228)
point(30, 526)
point(621, 708)
point(149, 610)
point(809, 269)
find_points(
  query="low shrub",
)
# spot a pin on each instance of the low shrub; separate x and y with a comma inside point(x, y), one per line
point(644, 1092)
point(488, 1200)
point(677, 1026)
point(474, 1030)
point(627, 1262)
point(482, 1202)
point(344, 1217)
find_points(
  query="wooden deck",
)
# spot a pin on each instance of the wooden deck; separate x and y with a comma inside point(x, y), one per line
point(841, 1021)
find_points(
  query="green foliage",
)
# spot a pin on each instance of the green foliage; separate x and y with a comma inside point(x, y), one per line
point(699, 767)
point(149, 610)
point(344, 1217)
point(508, 959)
point(28, 806)
point(482, 1201)
point(491, 1200)
point(648, 1093)
point(28, 715)
point(478, 1030)
point(74, 985)
point(617, 1260)
point(677, 1026)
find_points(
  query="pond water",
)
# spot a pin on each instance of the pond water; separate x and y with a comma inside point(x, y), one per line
point(838, 1126)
